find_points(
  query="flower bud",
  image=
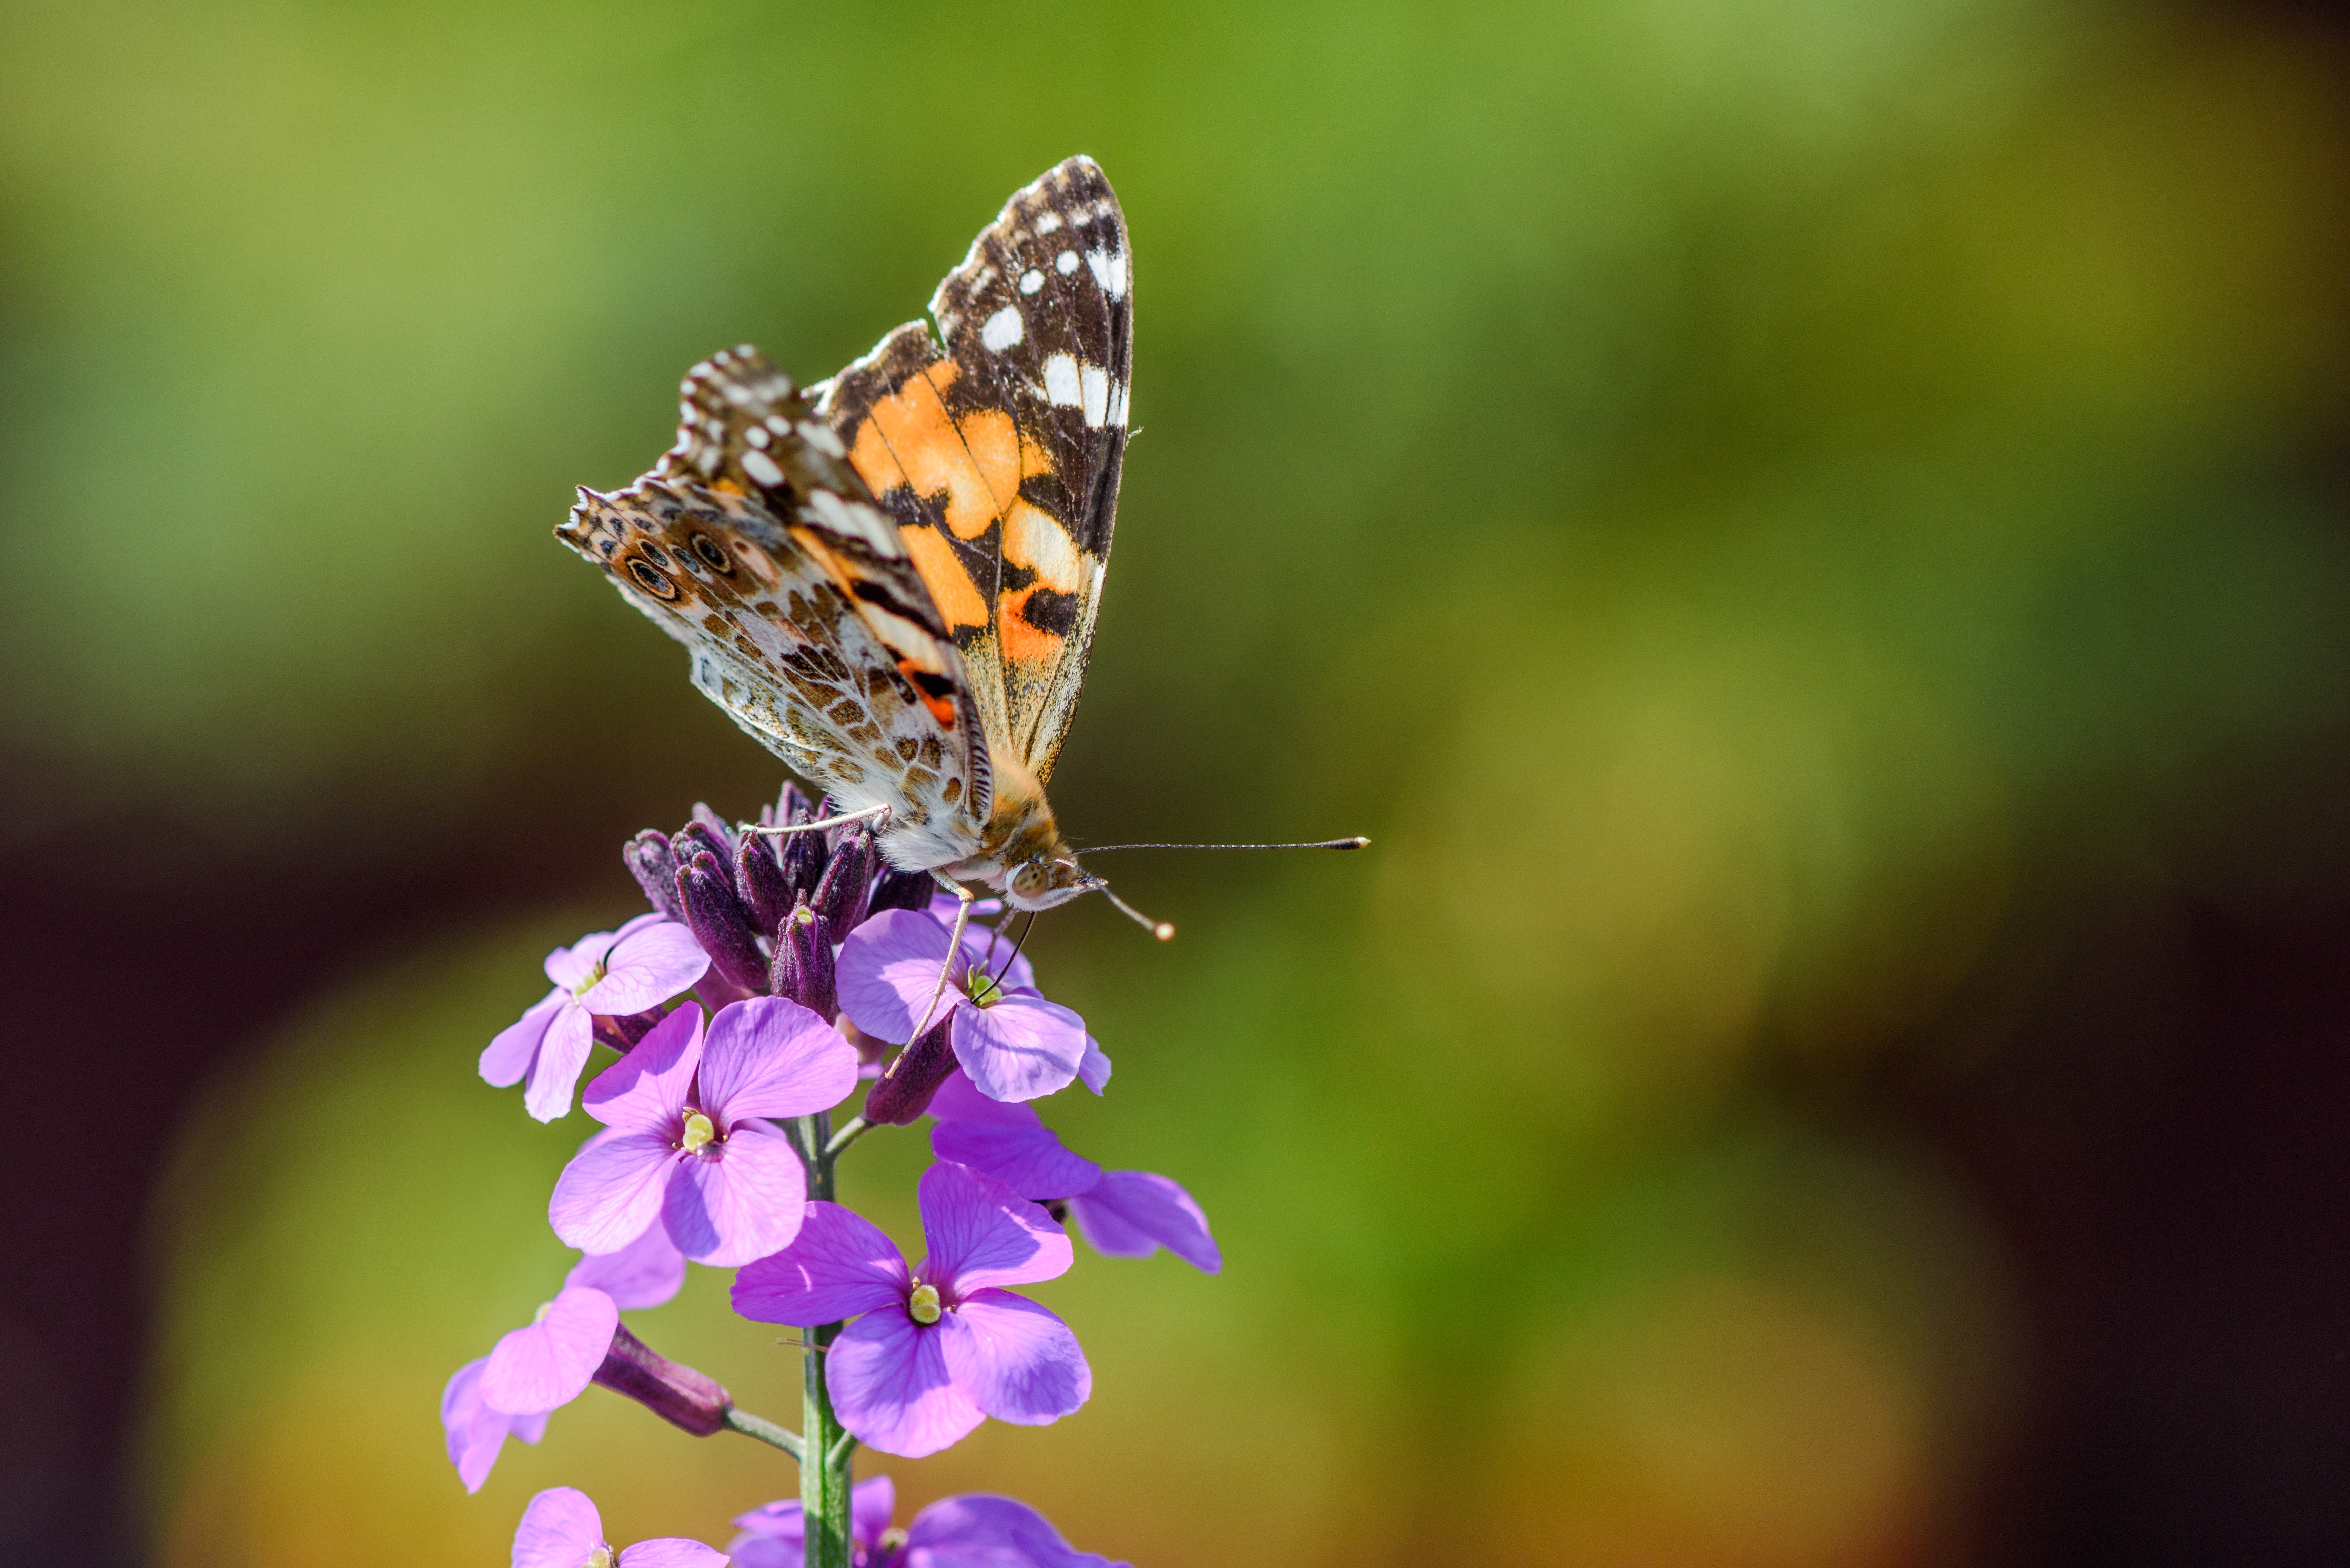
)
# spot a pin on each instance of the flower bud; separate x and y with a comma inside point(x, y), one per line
point(699, 838)
point(651, 861)
point(904, 1091)
point(896, 889)
point(793, 805)
point(840, 897)
point(678, 1395)
point(716, 826)
point(623, 1033)
point(761, 882)
point(803, 969)
point(804, 856)
point(720, 924)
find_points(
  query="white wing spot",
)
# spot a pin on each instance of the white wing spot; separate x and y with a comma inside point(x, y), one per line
point(1118, 404)
point(762, 467)
point(1061, 386)
point(1066, 262)
point(1048, 223)
point(856, 522)
point(1031, 281)
point(1095, 383)
point(1110, 271)
point(1002, 330)
point(757, 435)
point(821, 438)
point(1082, 218)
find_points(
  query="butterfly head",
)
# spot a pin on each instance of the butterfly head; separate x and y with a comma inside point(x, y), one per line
point(1045, 880)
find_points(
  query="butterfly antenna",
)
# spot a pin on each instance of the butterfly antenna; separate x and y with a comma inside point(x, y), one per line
point(1357, 842)
point(1159, 929)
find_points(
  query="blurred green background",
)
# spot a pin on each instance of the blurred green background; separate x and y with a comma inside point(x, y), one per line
point(1811, 534)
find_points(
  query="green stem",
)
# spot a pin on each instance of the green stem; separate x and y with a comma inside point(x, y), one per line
point(767, 1431)
point(826, 1449)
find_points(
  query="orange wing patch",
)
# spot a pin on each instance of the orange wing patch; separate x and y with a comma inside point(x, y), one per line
point(976, 462)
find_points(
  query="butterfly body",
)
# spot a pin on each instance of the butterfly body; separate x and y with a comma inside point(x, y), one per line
point(891, 580)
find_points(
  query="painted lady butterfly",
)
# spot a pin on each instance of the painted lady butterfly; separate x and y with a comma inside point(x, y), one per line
point(890, 580)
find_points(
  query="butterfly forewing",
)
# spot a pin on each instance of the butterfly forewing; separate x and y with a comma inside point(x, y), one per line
point(756, 546)
point(999, 452)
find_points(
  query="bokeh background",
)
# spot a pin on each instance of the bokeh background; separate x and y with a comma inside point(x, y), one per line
point(1812, 535)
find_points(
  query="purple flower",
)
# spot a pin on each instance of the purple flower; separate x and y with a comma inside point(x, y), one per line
point(615, 973)
point(549, 1362)
point(1014, 1045)
point(540, 1368)
point(1120, 1213)
point(973, 1530)
point(686, 1137)
point(775, 1536)
point(561, 1529)
point(647, 1272)
point(941, 1348)
point(475, 1432)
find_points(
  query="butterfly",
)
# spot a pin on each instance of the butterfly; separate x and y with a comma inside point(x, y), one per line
point(890, 580)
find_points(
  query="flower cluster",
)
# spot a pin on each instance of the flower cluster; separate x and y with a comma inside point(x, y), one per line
point(782, 965)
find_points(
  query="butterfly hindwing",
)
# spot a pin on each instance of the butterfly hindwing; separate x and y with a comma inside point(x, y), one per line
point(997, 448)
point(755, 545)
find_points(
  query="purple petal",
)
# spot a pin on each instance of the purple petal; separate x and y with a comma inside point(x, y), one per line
point(764, 1552)
point(741, 1203)
point(1029, 1160)
point(507, 1058)
point(771, 1057)
point(1021, 1048)
point(1093, 1071)
point(555, 1071)
point(942, 908)
point(560, 1529)
point(978, 1530)
point(672, 1551)
point(549, 1364)
point(982, 1233)
point(645, 1090)
point(956, 1100)
point(871, 1504)
point(611, 1190)
point(837, 1266)
point(890, 1386)
point(889, 967)
point(1017, 1362)
point(649, 964)
point(1133, 1213)
point(568, 967)
point(647, 1272)
point(475, 1432)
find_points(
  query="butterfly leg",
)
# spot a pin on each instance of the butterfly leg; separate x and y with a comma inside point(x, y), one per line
point(954, 945)
point(876, 814)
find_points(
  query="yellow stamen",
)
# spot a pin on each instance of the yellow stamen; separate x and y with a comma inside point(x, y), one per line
point(925, 1305)
point(983, 988)
point(699, 1130)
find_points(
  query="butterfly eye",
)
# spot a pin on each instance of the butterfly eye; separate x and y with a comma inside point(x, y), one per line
point(711, 554)
point(652, 580)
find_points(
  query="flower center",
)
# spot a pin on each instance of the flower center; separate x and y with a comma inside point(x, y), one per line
point(983, 988)
point(600, 1558)
point(589, 979)
point(699, 1131)
point(922, 1306)
point(540, 1315)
